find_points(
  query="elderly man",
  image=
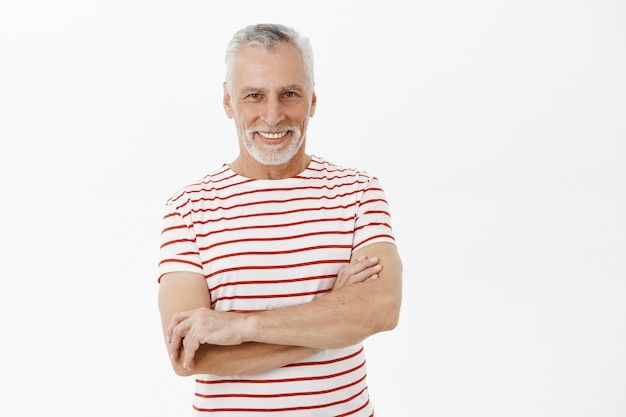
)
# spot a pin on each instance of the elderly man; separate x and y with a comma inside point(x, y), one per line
point(275, 267)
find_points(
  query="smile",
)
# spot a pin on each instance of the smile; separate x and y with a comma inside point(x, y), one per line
point(273, 135)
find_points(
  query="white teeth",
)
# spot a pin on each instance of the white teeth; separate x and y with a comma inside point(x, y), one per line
point(272, 135)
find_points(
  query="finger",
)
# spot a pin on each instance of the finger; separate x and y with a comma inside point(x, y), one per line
point(364, 267)
point(357, 272)
point(176, 320)
point(359, 265)
point(366, 274)
point(178, 334)
point(372, 278)
point(190, 346)
point(372, 261)
point(357, 260)
point(175, 350)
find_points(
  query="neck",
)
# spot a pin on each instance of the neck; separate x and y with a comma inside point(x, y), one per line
point(249, 167)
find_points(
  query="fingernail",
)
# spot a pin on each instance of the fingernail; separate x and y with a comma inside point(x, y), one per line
point(378, 267)
point(361, 258)
point(374, 259)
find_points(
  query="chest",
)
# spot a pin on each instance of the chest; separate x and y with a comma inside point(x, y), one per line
point(267, 250)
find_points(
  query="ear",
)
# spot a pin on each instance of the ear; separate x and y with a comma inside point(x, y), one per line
point(313, 104)
point(227, 102)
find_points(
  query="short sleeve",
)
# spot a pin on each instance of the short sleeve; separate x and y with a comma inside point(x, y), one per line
point(373, 218)
point(179, 250)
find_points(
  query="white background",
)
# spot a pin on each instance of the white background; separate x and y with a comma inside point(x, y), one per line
point(497, 129)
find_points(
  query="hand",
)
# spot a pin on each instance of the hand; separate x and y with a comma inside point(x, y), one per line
point(189, 329)
point(358, 270)
point(192, 328)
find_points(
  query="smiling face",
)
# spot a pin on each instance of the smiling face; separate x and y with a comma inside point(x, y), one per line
point(270, 99)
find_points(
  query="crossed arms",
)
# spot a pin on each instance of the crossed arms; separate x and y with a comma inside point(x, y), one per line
point(365, 300)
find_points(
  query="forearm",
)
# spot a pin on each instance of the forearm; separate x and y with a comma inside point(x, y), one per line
point(340, 318)
point(365, 300)
point(244, 359)
point(343, 317)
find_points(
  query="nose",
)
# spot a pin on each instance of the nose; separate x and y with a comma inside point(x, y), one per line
point(273, 113)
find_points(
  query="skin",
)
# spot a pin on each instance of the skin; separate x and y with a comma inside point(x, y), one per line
point(269, 92)
point(184, 301)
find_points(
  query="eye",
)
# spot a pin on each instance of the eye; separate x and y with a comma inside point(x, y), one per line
point(290, 94)
point(254, 96)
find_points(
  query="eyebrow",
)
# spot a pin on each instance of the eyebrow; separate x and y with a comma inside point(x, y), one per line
point(291, 87)
point(250, 89)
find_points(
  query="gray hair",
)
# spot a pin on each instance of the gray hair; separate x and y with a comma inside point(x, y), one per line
point(268, 36)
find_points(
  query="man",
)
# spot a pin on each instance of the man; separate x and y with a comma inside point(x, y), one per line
point(277, 266)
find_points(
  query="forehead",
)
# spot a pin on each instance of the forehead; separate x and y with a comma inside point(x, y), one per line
point(258, 66)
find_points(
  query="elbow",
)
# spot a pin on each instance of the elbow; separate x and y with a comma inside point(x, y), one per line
point(389, 316)
point(207, 364)
point(177, 365)
point(179, 369)
point(390, 319)
point(182, 371)
point(391, 299)
point(222, 371)
point(385, 319)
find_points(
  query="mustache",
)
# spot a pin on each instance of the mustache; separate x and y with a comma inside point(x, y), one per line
point(273, 129)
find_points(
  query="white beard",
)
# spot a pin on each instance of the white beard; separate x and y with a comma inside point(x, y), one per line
point(272, 155)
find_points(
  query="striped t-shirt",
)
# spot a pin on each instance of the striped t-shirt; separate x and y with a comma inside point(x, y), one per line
point(264, 244)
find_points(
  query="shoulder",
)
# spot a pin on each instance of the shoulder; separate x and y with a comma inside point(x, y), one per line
point(324, 168)
point(219, 177)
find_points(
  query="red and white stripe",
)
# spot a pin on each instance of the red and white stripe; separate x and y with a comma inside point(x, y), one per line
point(264, 244)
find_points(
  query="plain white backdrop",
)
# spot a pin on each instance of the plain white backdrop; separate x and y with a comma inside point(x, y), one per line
point(497, 128)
